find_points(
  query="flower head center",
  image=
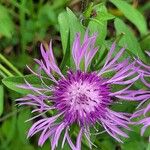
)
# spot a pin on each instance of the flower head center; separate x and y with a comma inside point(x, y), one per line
point(80, 95)
point(83, 96)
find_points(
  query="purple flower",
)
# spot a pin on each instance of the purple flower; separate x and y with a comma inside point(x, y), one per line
point(141, 114)
point(81, 97)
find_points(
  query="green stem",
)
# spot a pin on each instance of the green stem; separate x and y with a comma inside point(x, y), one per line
point(6, 71)
point(11, 66)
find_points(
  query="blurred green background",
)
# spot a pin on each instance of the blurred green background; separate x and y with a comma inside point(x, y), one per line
point(24, 24)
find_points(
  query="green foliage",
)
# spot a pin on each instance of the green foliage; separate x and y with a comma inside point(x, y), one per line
point(132, 14)
point(68, 22)
point(145, 44)
point(23, 24)
point(99, 23)
point(23, 126)
point(13, 83)
point(69, 26)
point(128, 39)
point(74, 25)
point(6, 23)
point(1, 99)
point(8, 129)
point(148, 147)
point(64, 29)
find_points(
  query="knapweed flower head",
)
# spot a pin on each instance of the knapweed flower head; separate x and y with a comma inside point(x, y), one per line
point(81, 97)
point(142, 113)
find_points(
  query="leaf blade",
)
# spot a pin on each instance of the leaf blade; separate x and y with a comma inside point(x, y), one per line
point(132, 15)
point(13, 82)
point(128, 39)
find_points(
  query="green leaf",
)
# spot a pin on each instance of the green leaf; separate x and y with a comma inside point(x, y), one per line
point(104, 16)
point(68, 22)
point(69, 26)
point(1, 99)
point(88, 11)
point(148, 147)
point(66, 59)
point(8, 130)
point(107, 145)
point(134, 140)
point(145, 44)
point(128, 39)
point(18, 144)
point(99, 23)
point(23, 126)
point(132, 15)
point(13, 82)
point(74, 26)
point(130, 145)
point(6, 24)
point(64, 29)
